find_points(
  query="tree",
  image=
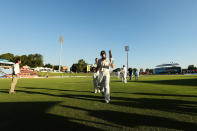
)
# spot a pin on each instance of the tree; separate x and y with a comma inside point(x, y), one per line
point(7, 56)
point(32, 60)
point(147, 71)
point(81, 66)
point(16, 58)
point(74, 68)
point(151, 71)
point(116, 70)
point(35, 60)
point(38, 60)
point(55, 67)
point(141, 70)
point(48, 65)
point(191, 67)
point(24, 60)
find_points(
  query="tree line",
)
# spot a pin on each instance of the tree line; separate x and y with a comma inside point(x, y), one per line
point(32, 60)
point(81, 66)
point(36, 60)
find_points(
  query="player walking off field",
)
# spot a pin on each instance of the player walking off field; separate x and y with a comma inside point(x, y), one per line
point(15, 73)
point(124, 74)
point(95, 77)
point(136, 74)
point(130, 73)
point(103, 66)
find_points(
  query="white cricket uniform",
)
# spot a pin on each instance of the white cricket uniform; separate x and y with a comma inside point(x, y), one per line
point(95, 80)
point(118, 74)
point(124, 76)
point(16, 69)
point(104, 77)
point(136, 75)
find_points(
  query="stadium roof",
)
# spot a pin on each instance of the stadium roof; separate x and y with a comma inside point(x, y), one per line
point(6, 63)
point(167, 65)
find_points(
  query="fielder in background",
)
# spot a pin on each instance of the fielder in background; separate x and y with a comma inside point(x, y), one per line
point(124, 74)
point(130, 73)
point(118, 74)
point(95, 77)
point(15, 75)
point(136, 74)
point(104, 65)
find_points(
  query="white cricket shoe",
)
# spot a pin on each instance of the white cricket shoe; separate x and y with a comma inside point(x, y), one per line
point(106, 101)
point(99, 91)
point(13, 92)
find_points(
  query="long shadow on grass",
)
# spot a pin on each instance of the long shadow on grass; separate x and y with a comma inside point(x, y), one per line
point(169, 105)
point(134, 120)
point(33, 116)
point(156, 94)
point(82, 97)
point(52, 89)
point(39, 92)
point(182, 82)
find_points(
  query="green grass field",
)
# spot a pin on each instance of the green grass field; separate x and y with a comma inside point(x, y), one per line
point(152, 103)
point(44, 74)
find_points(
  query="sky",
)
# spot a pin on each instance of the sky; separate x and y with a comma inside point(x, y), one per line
point(157, 31)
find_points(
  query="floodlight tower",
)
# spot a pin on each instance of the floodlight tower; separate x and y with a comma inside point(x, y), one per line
point(127, 50)
point(61, 40)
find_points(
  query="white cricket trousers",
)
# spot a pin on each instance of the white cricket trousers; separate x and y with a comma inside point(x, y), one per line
point(124, 79)
point(104, 80)
point(95, 81)
point(13, 84)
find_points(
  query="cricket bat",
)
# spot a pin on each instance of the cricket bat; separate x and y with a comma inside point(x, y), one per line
point(110, 54)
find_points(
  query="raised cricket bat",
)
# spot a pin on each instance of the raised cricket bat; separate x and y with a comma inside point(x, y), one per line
point(111, 59)
point(110, 54)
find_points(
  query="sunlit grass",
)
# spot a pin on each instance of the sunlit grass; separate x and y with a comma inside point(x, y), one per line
point(151, 103)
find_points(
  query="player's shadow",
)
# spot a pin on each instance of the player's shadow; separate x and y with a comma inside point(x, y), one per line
point(169, 105)
point(65, 94)
point(158, 94)
point(135, 120)
point(153, 94)
point(182, 82)
point(52, 89)
point(33, 116)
